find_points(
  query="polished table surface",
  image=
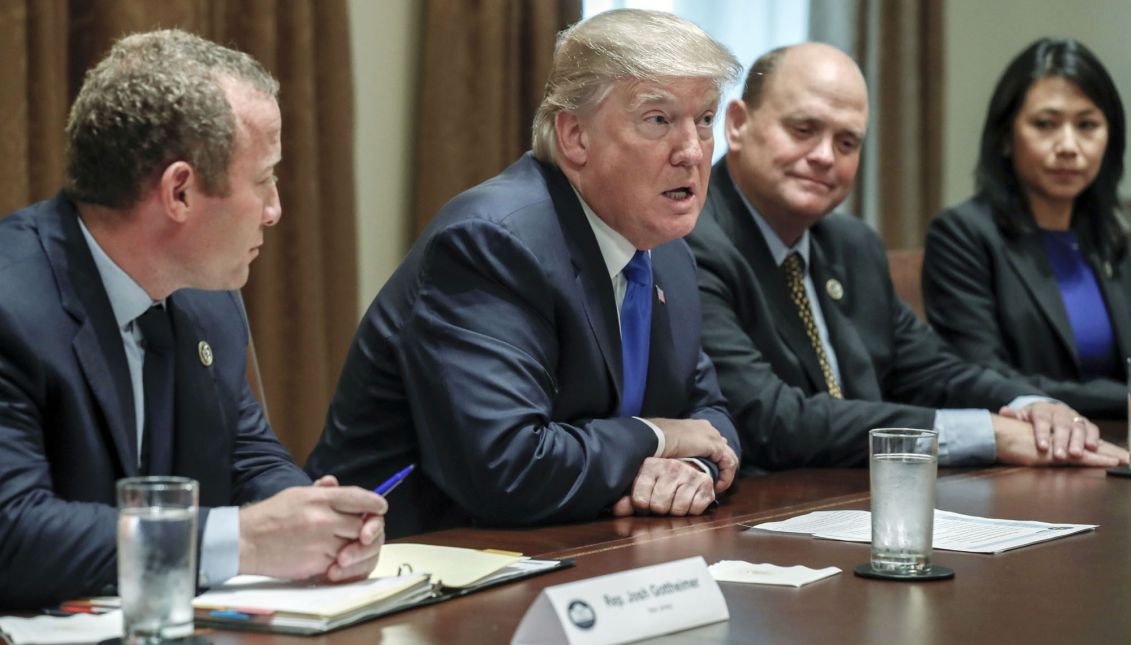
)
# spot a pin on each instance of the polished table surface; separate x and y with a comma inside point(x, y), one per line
point(1072, 590)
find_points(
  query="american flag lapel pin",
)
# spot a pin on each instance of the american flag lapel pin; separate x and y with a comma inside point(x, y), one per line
point(660, 295)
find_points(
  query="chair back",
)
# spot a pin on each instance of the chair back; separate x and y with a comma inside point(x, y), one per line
point(906, 266)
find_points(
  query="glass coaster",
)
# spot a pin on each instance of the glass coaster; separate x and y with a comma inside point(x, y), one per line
point(936, 572)
point(1120, 471)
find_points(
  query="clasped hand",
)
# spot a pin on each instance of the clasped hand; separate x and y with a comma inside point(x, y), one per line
point(324, 530)
point(1053, 433)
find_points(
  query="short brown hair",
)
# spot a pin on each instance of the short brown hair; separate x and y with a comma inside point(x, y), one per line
point(156, 98)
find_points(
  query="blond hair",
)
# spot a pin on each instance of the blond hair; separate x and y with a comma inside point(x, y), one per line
point(624, 44)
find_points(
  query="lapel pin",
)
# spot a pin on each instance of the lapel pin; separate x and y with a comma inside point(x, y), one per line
point(834, 288)
point(1107, 268)
point(204, 350)
point(660, 295)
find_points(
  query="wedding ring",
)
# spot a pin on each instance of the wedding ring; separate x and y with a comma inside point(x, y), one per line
point(1077, 419)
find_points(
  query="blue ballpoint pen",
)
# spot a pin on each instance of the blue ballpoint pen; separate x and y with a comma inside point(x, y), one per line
point(389, 484)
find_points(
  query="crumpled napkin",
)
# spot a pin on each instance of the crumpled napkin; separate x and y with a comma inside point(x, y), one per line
point(767, 574)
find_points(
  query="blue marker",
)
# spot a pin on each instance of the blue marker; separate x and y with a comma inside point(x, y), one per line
point(389, 484)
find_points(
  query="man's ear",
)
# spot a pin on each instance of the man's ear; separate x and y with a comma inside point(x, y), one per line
point(179, 188)
point(737, 118)
point(573, 140)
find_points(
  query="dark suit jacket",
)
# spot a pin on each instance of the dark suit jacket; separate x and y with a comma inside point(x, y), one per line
point(997, 302)
point(492, 360)
point(895, 371)
point(67, 428)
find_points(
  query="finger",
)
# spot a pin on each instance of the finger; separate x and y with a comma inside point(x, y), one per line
point(1112, 450)
point(682, 500)
point(663, 493)
point(623, 507)
point(1096, 460)
point(338, 573)
point(727, 469)
point(643, 484)
point(372, 530)
point(704, 495)
point(1078, 437)
point(351, 499)
point(326, 481)
point(1042, 432)
point(355, 552)
point(1091, 435)
point(1061, 431)
point(1020, 415)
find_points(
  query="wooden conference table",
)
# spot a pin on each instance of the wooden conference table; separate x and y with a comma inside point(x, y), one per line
point(1073, 590)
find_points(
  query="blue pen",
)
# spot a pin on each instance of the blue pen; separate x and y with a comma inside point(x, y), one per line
point(389, 484)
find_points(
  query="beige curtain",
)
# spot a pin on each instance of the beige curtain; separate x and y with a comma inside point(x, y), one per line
point(484, 68)
point(302, 296)
point(899, 45)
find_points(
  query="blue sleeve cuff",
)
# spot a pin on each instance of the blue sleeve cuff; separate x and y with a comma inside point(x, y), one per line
point(220, 546)
point(966, 437)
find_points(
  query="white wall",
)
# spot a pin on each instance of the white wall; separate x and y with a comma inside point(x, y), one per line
point(384, 37)
point(982, 36)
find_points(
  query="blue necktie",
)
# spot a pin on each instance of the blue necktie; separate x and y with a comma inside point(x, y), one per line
point(157, 379)
point(635, 330)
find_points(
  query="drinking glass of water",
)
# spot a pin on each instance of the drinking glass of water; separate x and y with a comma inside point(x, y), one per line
point(157, 556)
point(903, 467)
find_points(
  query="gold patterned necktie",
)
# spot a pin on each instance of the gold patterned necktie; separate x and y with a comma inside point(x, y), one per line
point(796, 283)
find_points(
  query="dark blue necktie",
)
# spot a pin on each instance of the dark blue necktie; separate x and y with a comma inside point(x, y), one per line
point(157, 378)
point(635, 330)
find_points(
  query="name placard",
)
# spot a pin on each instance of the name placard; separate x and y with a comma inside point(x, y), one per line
point(626, 606)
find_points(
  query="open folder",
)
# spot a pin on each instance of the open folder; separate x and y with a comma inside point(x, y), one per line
point(406, 576)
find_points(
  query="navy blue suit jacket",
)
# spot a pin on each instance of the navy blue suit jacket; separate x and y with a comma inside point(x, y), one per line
point(67, 427)
point(492, 359)
point(895, 372)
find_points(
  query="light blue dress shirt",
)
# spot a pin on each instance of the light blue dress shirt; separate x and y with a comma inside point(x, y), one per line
point(220, 544)
point(966, 436)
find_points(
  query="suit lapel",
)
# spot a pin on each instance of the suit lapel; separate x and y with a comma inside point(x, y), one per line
point(98, 341)
point(1027, 256)
point(590, 272)
point(200, 441)
point(749, 240)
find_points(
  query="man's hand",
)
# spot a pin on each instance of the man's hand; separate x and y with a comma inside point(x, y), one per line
point(698, 438)
point(321, 530)
point(1016, 444)
point(667, 487)
point(1059, 428)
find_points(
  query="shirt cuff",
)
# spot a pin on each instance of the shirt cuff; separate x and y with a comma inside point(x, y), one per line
point(220, 546)
point(1025, 400)
point(661, 443)
point(966, 437)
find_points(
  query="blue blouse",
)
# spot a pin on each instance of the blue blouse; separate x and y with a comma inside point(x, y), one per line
point(1087, 311)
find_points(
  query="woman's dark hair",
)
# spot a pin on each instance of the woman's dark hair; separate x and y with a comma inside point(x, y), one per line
point(1103, 224)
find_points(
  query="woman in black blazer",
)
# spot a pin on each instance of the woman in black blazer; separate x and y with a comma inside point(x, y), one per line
point(1032, 275)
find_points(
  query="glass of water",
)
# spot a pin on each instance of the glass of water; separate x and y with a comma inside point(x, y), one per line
point(157, 556)
point(903, 467)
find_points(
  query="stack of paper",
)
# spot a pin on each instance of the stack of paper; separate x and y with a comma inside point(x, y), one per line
point(953, 531)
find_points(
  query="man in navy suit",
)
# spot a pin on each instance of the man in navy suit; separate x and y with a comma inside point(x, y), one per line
point(172, 143)
point(495, 357)
point(812, 345)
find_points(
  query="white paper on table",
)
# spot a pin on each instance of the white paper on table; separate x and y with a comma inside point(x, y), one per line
point(768, 574)
point(57, 630)
point(952, 532)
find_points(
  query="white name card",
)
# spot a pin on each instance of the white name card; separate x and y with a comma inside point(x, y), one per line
point(625, 606)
